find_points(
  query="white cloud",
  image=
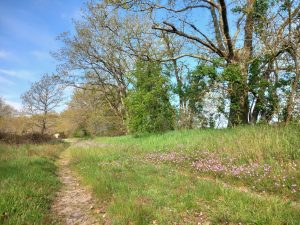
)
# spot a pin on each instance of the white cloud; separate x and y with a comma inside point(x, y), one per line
point(22, 74)
point(16, 105)
point(4, 54)
point(41, 55)
point(11, 73)
point(4, 81)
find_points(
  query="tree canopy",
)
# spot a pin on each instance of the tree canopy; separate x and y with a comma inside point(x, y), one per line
point(158, 65)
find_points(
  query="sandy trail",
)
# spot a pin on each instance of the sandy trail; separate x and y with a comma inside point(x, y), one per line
point(73, 204)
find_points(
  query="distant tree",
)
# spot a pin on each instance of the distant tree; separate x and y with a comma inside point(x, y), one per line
point(148, 102)
point(5, 109)
point(89, 113)
point(103, 50)
point(6, 113)
point(41, 100)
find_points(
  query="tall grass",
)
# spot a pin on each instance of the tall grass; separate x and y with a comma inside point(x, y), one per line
point(149, 180)
point(27, 182)
point(248, 142)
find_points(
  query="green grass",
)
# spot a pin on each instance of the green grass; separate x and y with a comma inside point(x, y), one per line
point(247, 143)
point(136, 189)
point(27, 182)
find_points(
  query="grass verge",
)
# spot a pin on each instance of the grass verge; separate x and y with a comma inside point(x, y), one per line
point(27, 182)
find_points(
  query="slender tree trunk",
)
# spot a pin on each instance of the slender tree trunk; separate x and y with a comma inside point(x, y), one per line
point(43, 128)
point(256, 110)
point(44, 120)
point(260, 106)
point(182, 113)
point(190, 119)
point(124, 111)
point(294, 87)
point(293, 52)
point(171, 53)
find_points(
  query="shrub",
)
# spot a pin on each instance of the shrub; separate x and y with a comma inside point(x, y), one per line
point(32, 138)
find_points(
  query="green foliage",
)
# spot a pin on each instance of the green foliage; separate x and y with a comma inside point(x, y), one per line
point(148, 102)
point(201, 80)
point(237, 88)
point(232, 73)
point(264, 89)
point(286, 4)
point(260, 9)
point(80, 133)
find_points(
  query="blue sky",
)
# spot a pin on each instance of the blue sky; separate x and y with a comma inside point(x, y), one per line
point(28, 31)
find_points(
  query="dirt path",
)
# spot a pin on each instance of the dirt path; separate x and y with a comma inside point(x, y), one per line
point(73, 204)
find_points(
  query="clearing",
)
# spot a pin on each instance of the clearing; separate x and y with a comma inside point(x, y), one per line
point(245, 175)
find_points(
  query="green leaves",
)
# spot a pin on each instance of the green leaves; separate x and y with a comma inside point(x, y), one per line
point(148, 104)
point(232, 73)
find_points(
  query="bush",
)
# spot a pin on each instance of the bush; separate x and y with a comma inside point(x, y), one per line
point(32, 138)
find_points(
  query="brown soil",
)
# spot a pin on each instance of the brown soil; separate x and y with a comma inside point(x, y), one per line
point(73, 204)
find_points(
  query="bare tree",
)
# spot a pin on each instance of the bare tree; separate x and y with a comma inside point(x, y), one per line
point(102, 53)
point(42, 98)
point(5, 109)
point(6, 115)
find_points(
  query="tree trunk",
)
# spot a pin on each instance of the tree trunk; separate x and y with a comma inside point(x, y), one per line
point(182, 113)
point(260, 106)
point(239, 106)
point(124, 111)
point(239, 102)
point(43, 128)
point(291, 99)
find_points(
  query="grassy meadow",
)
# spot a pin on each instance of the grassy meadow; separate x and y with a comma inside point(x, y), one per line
point(244, 175)
point(28, 182)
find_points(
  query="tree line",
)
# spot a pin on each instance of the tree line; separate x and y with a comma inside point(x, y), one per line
point(150, 66)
